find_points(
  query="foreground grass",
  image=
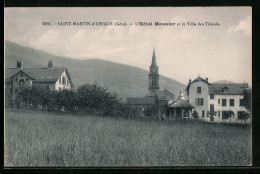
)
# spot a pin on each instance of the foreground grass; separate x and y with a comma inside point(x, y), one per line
point(34, 138)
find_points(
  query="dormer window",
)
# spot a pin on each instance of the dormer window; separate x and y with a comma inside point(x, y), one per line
point(225, 89)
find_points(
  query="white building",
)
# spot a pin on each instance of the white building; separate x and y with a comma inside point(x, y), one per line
point(221, 99)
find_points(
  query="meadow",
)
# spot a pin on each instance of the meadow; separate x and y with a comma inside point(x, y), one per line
point(35, 138)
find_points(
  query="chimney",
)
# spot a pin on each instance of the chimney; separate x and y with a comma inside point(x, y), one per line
point(189, 81)
point(207, 79)
point(50, 64)
point(19, 64)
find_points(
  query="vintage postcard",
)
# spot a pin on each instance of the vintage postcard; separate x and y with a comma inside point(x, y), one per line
point(128, 86)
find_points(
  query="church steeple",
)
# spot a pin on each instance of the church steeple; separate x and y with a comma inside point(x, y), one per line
point(154, 58)
point(153, 77)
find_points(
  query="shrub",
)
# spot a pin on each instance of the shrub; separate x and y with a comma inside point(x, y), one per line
point(151, 110)
point(32, 95)
point(247, 100)
point(211, 114)
point(195, 114)
point(89, 98)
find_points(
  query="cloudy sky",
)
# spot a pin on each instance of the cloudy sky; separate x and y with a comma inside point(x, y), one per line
point(183, 52)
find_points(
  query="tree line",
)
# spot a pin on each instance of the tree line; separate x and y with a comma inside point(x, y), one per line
point(88, 98)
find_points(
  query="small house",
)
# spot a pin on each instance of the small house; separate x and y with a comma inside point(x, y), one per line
point(53, 78)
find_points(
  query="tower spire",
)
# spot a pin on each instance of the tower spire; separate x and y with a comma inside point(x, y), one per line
point(154, 58)
point(153, 77)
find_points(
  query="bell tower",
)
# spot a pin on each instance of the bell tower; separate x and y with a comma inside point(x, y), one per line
point(153, 77)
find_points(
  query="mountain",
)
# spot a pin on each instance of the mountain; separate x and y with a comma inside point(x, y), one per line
point(223, 81)
point(127, 81)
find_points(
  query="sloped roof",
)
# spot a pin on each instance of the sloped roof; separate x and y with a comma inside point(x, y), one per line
point(44, 73)
point(231, 88)
point(10, 72)
point(196, 80)
point(165, 95)
point(200, 79)
point(180, 103)
point(39, 74)
point(140, 101)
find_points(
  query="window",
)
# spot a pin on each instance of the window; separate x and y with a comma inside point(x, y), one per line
point(60, 80)
point(224, 102)
point(211, 96)
point(199, 90)
point(231, 102)
point(241, 103)
point(218, 113)
point(21, 82)
point(203, 114)
point(218, 101)
point(63, 80)
point(211, 107)
point(225, 115)
point(199, 101)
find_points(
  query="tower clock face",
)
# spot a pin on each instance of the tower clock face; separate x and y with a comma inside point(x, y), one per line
point(154, 70)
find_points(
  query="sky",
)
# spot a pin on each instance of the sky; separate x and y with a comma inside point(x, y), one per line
point(183, 52)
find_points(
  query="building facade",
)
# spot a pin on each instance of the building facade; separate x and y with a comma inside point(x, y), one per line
point(197, 92)
point(53, 78)
point(224, 100)
point(227, 97)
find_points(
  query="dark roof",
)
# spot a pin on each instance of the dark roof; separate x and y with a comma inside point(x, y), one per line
point(227, 88)
point(10, 72)
point(141, 101)
point(200, 79)
point(165, 95)
point(180, 103)
point(39, 74)
point(196, 80)
point(44, 73)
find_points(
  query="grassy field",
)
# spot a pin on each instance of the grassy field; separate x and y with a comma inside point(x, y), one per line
point(34, 138)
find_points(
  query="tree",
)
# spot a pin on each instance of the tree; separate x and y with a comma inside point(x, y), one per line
point(195, 114)
point(88, 98)
point(247, 100)
point(211, 114)
point(151, 111)
point(23, 95)
point(98, 98)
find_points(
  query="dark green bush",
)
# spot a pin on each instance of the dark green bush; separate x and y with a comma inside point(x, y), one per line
point(89, 98)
